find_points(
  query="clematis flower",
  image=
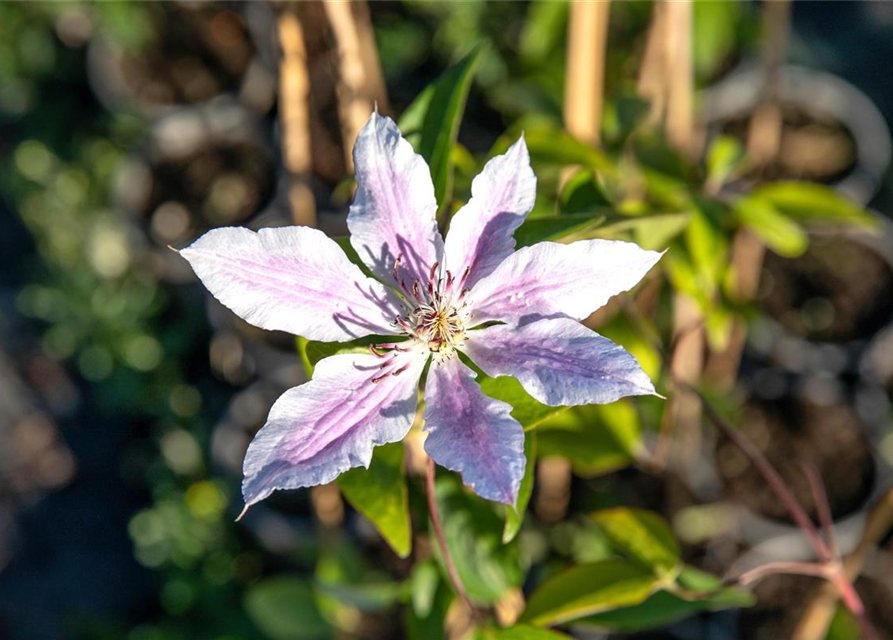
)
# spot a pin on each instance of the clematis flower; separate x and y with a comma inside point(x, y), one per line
point(512, 313)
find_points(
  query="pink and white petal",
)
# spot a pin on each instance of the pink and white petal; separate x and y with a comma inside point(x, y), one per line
point(293, 279)
point(324, 427)
point(549, 279)
point(473, 434)
point(394, 211)
point(480, 235)
point(559, 362)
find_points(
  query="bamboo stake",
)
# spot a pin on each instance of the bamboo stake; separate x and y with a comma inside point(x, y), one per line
point(355, 100)
point(680, 74)
point(584, 84)
point(294, 109)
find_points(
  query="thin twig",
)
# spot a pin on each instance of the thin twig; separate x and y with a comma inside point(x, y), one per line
point(778, 486)
point(441, 542)
point(823, 507)
point(775, 568)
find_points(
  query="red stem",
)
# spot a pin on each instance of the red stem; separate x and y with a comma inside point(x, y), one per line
point(441, 541)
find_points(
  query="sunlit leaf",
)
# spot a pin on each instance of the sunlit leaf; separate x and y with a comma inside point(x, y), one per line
point(283, 608)
point(642, 536)
point(724, 160)
point(520, 632)
point(814, 203)
point(514, 518)
point(473, 532)
point(596, 439)
point(780, 233)
point(588, 589)
point(663, 608)
point(363, 597)
point(526, 410)
point(380, 494)
point(312, 352)
point(436, 115)
point(558, 228)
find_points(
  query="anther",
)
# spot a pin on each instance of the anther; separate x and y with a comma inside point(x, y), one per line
point(433, 270)
point(400, 370)
point(378, 379)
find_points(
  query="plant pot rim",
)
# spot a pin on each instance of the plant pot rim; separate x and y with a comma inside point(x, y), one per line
point(816, 92)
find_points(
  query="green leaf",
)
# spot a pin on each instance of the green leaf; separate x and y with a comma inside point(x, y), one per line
point(588, 589)
point(597, 439)
point(814, 203)
point(780, 233)
point(550, 144)
point(663, 608)
point(555, 228)
point(652, 232)
point(526, 410)
point(283, 608)
point(380, 494)
point(312, 352)
point(543, 29)
point(642, 536)
point(724, 160)
point(442, 105)
point(473, 533)
point(514, 517)
point(367, 598)
point(423, 584)
point(521, 632)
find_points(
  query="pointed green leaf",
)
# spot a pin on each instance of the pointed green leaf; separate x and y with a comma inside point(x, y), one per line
point(814, 203)
point(642, 536)
point(514, 517)
point(380, 494)
point(520, 632)
point(588, 589)
point(473, 533)
point(526, 410)
point(780, 233)
point(558, 228)
point(283, 608)
point(435, 116)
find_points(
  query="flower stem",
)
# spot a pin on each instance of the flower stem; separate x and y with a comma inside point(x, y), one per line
point(441, 542)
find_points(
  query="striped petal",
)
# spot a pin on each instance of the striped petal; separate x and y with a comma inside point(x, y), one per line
point(550, 279)
point(293, 279)
point(472, 433)
point(559, 362)
point(393, 214)
point(502, 195)
point(326, 426)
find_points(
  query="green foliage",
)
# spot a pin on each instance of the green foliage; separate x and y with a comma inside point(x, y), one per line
point(526, 410)
point(780, 233)
point(588, 589)
point(380, 494)
point(641, 536)
point(283, 608)
point(519, 632)
point(473, 533)
point(813, 203)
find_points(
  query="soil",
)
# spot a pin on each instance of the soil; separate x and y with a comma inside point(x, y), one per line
point(791, 431)
point(837, 291)
point(223, 184)
point(781, 601)
point(812, 147)
point(197, 53)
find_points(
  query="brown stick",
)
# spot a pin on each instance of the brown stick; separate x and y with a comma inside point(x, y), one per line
point(584, 84)
point(441, 541)
point(680, 74)
point(355, 100)
point(294, 109)
point(784, 568)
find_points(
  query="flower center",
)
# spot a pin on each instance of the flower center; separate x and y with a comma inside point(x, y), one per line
point(434, 321)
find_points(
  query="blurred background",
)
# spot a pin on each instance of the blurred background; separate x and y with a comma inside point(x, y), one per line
point(128, 395)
